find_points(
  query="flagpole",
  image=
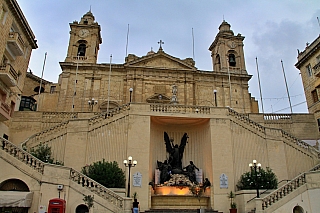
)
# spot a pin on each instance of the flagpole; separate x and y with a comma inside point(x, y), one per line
point(193, 45)
point(259, 85)
point(127, 41)
point(285, 80)
point(75, 83)
point(109, 86)
point(44, 63)
point(229, 82)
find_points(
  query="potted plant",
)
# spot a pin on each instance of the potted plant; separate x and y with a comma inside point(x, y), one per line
point(233, 205)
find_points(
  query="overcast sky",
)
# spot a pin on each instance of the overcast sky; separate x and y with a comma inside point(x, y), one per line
point(273, 31)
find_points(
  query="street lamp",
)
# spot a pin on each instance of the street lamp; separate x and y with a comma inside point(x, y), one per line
point(256, 167)
point(215, 97)
point(92, 102)
point(129, 163)
point(130, 90)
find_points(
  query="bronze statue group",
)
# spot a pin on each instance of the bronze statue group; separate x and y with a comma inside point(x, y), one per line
point(174, 164)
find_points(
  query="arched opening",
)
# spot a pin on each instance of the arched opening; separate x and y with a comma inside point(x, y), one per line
point(82, 50)
point(82, 209)
point(217, 63)
point(298, 209)
point(232, 60)
point(14, 185)
point(112, 105)
point(16, 196)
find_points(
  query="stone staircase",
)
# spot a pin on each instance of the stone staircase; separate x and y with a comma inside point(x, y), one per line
point(181, 210)
point(56, 134)
point(75, 180)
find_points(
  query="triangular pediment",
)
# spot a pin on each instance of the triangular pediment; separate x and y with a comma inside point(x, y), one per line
point(163, 61)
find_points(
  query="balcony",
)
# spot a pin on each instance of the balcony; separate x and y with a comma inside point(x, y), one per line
point(15, 44)
point(8, 75)
point(4, 111)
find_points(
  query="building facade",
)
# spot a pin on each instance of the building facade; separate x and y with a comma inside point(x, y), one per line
point(16, 43)
point(112, 111)
point(309, 66)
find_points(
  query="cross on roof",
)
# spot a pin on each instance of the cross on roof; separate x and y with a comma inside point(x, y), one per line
point(160, 42)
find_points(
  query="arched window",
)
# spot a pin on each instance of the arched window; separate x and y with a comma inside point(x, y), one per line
point(217, 63)
point(82, 50)
point(232, 60)
point(82, 209)
point(298, 209)
point(14, 185)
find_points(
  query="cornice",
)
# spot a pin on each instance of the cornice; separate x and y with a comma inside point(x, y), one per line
point(17, 12)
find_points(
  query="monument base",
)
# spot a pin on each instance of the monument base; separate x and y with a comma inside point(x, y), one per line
point(179, 202)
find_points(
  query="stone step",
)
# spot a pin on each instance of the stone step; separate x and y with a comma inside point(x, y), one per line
point(180, 210)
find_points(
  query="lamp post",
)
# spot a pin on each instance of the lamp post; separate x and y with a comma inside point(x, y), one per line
point(256, 167)
point(92, 102)
point(215, 97)
point(129, 163)
point(130, 90)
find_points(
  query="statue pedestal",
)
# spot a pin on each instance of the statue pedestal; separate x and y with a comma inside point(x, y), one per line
point(179, 202)
point(173, 197)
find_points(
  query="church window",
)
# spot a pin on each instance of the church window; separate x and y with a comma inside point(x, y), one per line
point(232, 60)
point(315, 96)
point(309, 70)
point(82, 50)
point(318, 121)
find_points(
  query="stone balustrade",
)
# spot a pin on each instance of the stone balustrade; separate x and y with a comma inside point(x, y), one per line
point(171, 108)
point(98, 189)
point(53, 133)
point(22, 155)
point(286, 189)
point(277, 117)
point(104, 115)
point(244, 118)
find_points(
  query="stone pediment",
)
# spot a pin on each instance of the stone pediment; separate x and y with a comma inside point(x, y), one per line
point(160, 60)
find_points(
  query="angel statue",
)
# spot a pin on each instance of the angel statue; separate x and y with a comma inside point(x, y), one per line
point(175, 152)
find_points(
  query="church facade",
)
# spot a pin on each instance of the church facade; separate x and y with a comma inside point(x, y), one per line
point(112, 111)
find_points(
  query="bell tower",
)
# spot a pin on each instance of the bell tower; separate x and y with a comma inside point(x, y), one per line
point(227, 51)
point(84, 41)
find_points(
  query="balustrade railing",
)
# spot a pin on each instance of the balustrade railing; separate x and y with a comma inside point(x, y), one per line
point(277, 117)
point(52, 133)
point(170, 108)
point(22, 155)
point(97, 188)
point(104, 115)
point(286, 189)
point(244, 118)
point(297, 141)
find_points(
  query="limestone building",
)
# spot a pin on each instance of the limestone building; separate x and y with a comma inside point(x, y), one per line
point(16, 43)
point(309, 66)
point(112, 111)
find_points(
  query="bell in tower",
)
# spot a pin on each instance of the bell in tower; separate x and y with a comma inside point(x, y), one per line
point(232, 60)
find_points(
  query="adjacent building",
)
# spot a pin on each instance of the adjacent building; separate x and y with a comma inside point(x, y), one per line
point(16, 43)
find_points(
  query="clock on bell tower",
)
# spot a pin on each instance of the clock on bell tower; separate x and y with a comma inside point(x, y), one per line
point(84, 41)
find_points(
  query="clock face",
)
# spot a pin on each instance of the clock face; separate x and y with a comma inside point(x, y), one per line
point(83, 33)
